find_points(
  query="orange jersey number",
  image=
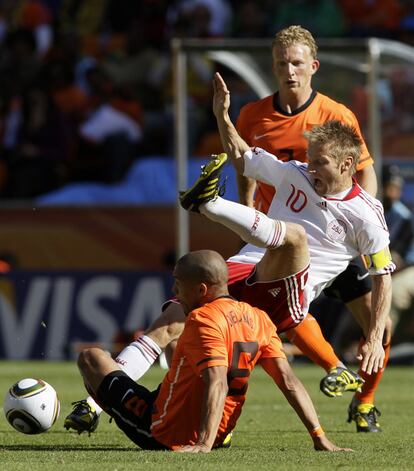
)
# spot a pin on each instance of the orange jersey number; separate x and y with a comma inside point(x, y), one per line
point(243, 356)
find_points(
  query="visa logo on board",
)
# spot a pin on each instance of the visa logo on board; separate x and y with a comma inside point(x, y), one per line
point(42, 315)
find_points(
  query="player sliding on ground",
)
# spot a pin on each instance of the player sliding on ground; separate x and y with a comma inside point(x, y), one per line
point(201, 397)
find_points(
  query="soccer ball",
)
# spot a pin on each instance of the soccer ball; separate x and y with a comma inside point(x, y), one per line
point(31, 406)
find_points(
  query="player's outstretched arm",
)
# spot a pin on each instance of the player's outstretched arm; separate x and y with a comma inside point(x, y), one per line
point(297, 396)
point(232, 143)
point(372, 352)
point(215, 391)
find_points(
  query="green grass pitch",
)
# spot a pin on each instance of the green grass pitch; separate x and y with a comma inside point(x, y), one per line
point(268, 436)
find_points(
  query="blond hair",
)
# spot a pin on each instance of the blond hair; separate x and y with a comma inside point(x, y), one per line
point(295, 35)
point(338, 140)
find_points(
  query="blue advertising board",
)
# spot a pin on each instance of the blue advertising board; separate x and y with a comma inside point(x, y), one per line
point(44, 314)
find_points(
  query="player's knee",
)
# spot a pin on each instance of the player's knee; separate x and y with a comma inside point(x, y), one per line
point(295, 235)
point(84, 359)
point(88, 358)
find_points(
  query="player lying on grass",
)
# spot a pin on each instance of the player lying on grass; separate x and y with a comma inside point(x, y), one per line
point(321, 207)
point(201, 397)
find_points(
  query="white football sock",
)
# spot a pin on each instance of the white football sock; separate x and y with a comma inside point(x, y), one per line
point(138, 356)
point(251, 225)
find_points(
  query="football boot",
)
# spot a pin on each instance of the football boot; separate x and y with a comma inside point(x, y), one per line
point(83, 418)
point(339, 380)
point(365, 417)
point(207, 187)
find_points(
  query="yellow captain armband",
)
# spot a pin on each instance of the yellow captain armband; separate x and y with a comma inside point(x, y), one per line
point(378, 260)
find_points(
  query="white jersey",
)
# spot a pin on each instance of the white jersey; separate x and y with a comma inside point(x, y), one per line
point(338, 229)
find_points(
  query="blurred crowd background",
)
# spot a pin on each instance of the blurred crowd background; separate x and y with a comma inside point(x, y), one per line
point(86, 91)
point(81, 79)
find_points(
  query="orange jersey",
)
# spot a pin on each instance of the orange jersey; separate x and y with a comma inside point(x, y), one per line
point(226, 333)
point(263, 124)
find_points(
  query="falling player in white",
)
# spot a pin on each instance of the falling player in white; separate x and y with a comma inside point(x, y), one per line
point(341, 219)
point(339, 226)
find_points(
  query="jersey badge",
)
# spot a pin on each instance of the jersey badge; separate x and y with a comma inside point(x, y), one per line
point(337, 230)
point(322, 204)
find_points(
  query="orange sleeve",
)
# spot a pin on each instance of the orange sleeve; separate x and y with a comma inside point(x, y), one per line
point(205, 344)
point(272, 348)
point(349, 118)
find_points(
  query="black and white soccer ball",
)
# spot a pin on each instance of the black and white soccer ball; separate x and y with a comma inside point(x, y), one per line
point(31, 406)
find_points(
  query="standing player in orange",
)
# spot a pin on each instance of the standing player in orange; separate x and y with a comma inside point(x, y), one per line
point(277, 124)
point(200, 399)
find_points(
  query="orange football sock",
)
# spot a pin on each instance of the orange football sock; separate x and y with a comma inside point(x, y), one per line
point(367, 395)
point(308, 337)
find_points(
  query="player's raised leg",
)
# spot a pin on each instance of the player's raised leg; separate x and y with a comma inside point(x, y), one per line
point(286, 244)
point(251, 225)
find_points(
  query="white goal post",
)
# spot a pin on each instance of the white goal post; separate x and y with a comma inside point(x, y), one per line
point(369, 58)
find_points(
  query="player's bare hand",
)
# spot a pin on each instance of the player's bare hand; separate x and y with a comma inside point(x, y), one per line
point(194, 449)
point(372, 356)
point(221, 97)
point(324, 444)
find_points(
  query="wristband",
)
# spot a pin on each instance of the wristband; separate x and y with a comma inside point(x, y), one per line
point(317, 432)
